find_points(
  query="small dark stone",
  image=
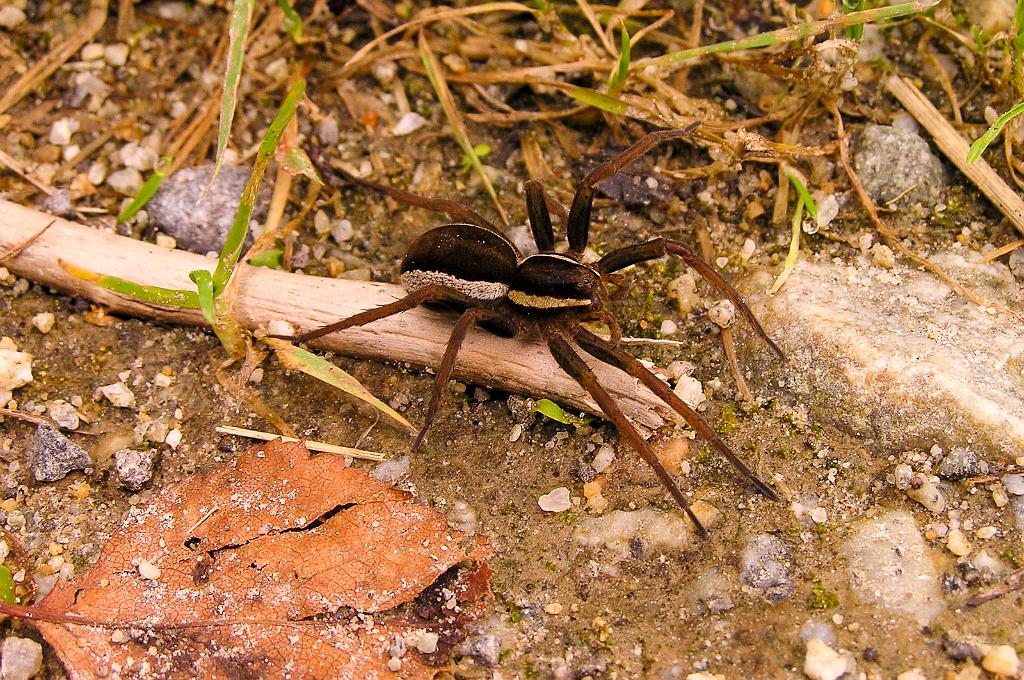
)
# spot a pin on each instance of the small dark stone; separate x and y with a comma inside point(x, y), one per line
point(961, 650)
point(583, 472)
point(486, 649)
point(961, 463)
point(200, 223)
point(522, 410)
point(870, 654)
point(951, 583)
point(481, 395)
point(51, 455)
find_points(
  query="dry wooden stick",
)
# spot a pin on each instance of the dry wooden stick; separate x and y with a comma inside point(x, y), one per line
point(416, 337)
point(42, 70)
point(952, 143)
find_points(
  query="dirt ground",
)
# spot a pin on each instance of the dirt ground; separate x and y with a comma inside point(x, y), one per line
point(614, 619)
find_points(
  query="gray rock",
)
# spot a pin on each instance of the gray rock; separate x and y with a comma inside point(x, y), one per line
point(765, 565)
point(896, 164)
point(59, 203)
point(51, 455)
point(961, 463)
point(818, 630)
point(1016, 263)
point(134, 468)
point(64, 414)
point(201, 226)
point(484, 648)
point(894, 356)
point(710, 591)
point(391, 471)
point(891, 566)
point(22, 658)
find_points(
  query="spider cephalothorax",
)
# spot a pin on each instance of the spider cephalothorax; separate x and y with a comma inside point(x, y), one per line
point(474, 269)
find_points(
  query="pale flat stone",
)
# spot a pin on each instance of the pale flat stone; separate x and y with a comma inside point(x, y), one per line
point(891, 566)
point(894, 356)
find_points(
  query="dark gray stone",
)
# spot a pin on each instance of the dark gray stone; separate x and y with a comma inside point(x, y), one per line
point(51, 455)
point(961, 463)
point(765, 565)
point(894, 163)
point(200, 226)
point(59, 203)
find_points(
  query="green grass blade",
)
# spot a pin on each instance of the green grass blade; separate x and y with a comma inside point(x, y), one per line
point(981, 143)
point(618, 77)
point(550, 409)
point(7, 585)
point(292, 21)
point(232, 249)
point(154, 295)
point(204, 284)
point(238, 31)
point(270, 258)
point(147, 191)
point(789, 34)
point(801, 188)
point(298, 359)
point(794, 246)
point(597, 99)
point(855, 32)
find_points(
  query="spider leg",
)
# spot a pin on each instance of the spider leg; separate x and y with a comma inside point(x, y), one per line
point(337, 178)
point(659, 247)
point(433, 293)
point(444, 371)
point(573, 364)
point(540, 218)
point(604, 351)
point(578, 222)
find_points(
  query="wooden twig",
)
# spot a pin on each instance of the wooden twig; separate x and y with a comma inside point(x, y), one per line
point(1014, 581)
point(310, 444)
point(952, 143)
point(416, 337)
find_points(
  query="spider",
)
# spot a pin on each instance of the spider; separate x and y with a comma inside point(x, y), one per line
point(473, 268)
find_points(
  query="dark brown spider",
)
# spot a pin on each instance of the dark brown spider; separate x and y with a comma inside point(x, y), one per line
point(473, 268)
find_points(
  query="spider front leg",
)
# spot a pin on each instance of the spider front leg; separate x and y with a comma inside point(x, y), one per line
point(605, 351)
point(573, 364)
point(659, 247)
point(432, 293)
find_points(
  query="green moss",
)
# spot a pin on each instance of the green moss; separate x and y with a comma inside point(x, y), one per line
point(821, 597)
point(728, 423)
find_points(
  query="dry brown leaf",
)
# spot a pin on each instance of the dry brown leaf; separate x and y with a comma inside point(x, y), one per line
point(277, 564)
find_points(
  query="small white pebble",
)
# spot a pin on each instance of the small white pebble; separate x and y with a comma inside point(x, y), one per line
point(822, 662)
point(173, 438)
point(748, 249)
point(722, 313)
point(957, 543)
point(116, 54)
point(148, 570)
point(408, 123)
point(92, 52)
point(604, 457)
point(427, 643)
point(912, 674)
point(162, 380)
point(342, 231)
point(690, 391)
point(44, 321)
point(819, 515)
point(62, 129)
point(516, 433)
point(166, 241)
point(1014, 484)
point(22, 658)
point(11, 16)
point(668, 327)
point(126, 181)
point(256, 377)
point(119, 637)
point(279, 327)
point(119, 395)
point(553, 608)
point(394, 664)
point(134, 155)
point(1002, 660)
point(985, 533)
point(557, 500)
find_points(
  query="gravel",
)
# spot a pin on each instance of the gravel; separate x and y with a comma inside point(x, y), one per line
point(134, 468)
point(22, 658)
point(51, 455)
point(897, 165)
point(961, 463)
point(486, 649)
point(765, 565)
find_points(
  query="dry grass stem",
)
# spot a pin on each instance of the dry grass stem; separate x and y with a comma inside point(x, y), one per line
point(310, 444)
